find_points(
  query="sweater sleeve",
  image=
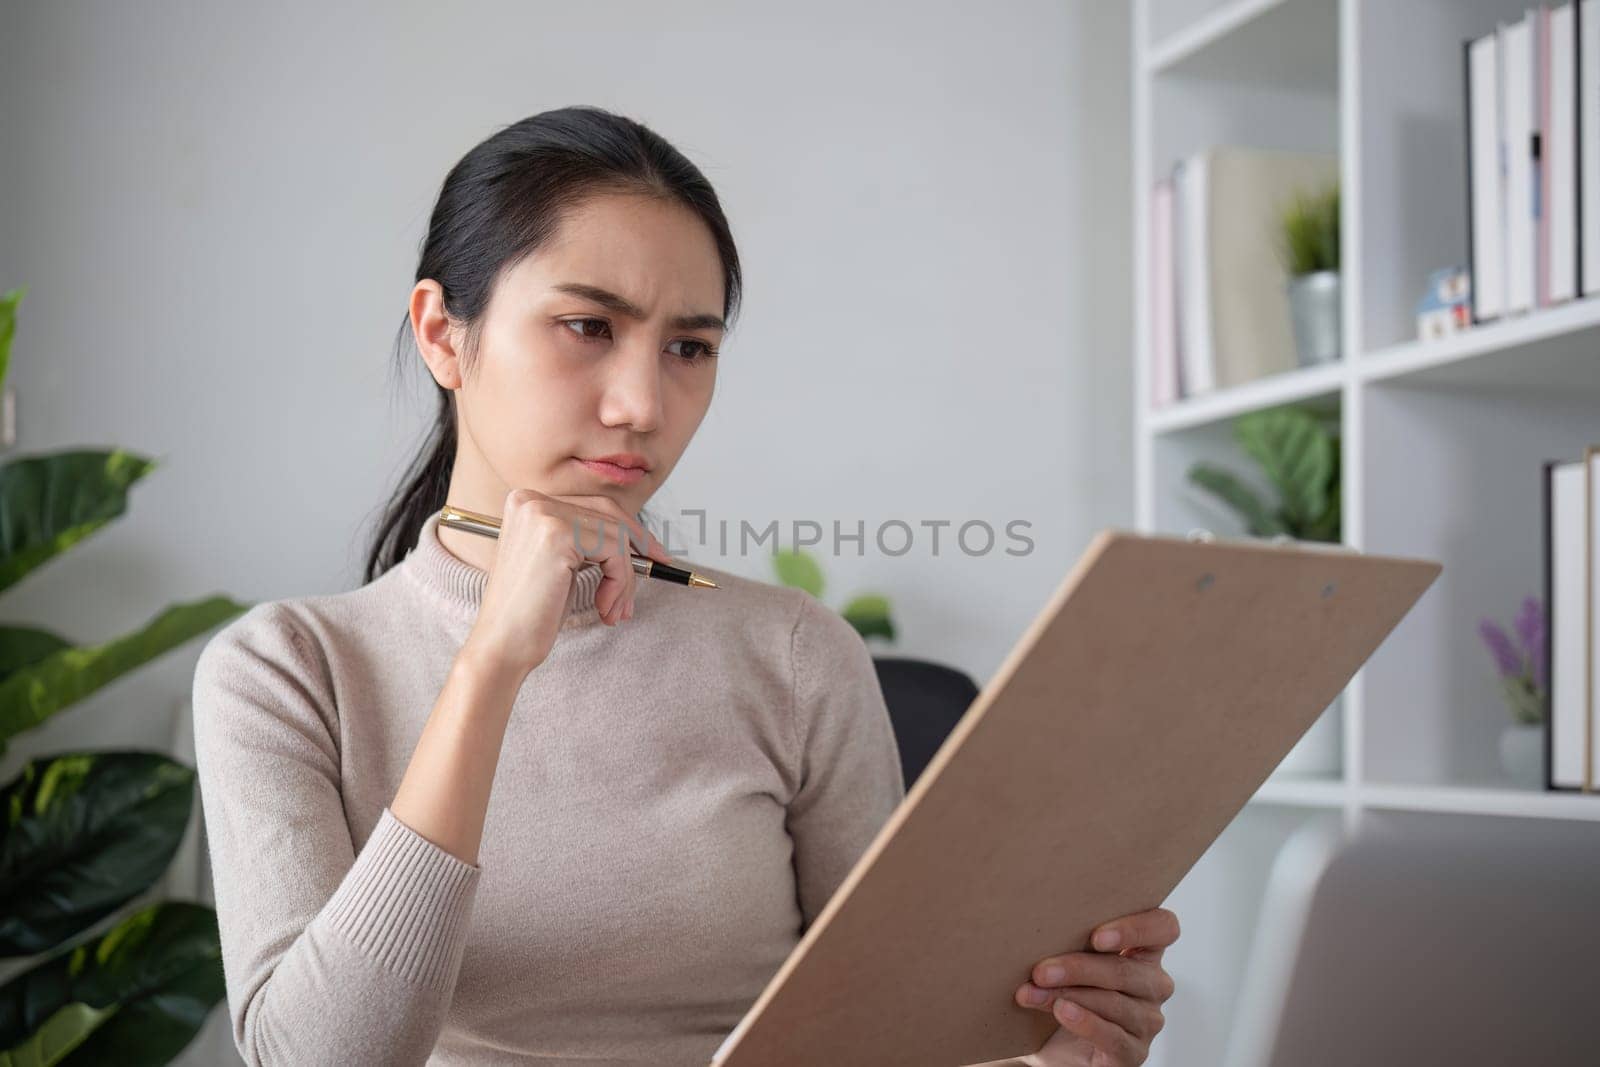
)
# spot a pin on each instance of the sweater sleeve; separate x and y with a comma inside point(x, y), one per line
point(329, 957)
point(848, 761)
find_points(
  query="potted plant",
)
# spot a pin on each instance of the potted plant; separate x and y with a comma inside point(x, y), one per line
point(1309, 251)
point(868, 612)
point(1298, 451)
point(122, 979)
point(1523, 686)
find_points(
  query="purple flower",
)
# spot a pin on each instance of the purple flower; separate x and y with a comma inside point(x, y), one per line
point(1505, 656)
point(1530, 627)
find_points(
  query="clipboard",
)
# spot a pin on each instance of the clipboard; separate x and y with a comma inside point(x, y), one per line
point(1157, 689)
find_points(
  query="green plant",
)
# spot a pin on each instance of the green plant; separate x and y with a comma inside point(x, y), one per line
point(868, 613)
point(1299, 451)
point(1309, 232)
point(88, 832)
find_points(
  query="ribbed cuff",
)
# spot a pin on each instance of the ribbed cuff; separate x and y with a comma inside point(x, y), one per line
point(405, 902)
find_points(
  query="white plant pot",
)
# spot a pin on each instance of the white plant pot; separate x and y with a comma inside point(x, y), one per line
point(1522, 754)
point(1318, 754)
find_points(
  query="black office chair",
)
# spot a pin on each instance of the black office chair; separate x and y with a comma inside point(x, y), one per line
point(925, 701)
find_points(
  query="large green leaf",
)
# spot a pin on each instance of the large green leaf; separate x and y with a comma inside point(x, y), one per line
point(8, 327)
point(1297, 455)
point(84, 833)
point(869, 614)
point(1328, 526)
point(57, 1036)
point(22, 646)
point(135, 996)
point(48, 503)
point(796, 567)
point(1259, 519)
point(33, 693)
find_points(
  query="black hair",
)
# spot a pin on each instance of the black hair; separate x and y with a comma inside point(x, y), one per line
point(502, 201)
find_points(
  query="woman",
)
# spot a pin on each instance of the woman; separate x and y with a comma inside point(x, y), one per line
point(680, 777)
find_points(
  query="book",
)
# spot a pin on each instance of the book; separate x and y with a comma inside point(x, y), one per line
point(1164, 376)
point(1232, 291)
point(1559, 144)
point(1518, 123)
point(1252, 330)
point(1194, 276)
point(1485, 185)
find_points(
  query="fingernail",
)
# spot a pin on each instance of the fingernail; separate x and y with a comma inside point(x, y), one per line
point(1107, 939)
point(1036, 996)
point(1054, 974)
point(1069, 1010)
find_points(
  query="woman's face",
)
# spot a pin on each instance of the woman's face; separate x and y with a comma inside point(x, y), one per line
point(598, 345)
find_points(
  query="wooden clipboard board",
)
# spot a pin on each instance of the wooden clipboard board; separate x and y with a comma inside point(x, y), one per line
point(1157, 689)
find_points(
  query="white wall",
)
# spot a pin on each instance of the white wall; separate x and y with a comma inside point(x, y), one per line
point(218, 210)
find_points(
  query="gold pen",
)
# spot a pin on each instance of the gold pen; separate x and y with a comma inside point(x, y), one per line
point(644, 566)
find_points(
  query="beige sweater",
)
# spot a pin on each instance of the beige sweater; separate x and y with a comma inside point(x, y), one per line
point(676, 800)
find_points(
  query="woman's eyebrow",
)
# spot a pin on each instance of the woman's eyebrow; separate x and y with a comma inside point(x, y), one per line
point(623, 306)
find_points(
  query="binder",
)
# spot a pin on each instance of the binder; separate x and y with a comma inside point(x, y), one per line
point(1588, 22)
point(1591, 625)
point(1160, 684)
point(1571, 555)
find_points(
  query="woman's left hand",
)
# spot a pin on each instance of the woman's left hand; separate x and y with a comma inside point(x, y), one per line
point(1108, 1002)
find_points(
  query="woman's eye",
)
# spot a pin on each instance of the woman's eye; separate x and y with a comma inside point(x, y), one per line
point(582, 323)
point(700, 350)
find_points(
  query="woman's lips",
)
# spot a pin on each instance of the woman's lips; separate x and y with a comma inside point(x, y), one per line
point(613, 473)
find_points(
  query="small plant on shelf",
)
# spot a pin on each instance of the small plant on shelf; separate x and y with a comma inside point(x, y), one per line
point(1298, 449)
point(1308, 246)
point(1520, 663)
point(1522, 668)
point(1310, 232)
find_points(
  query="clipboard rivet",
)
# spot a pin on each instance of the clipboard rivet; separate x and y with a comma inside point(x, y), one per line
point(1206, 580)
point(1327, 591)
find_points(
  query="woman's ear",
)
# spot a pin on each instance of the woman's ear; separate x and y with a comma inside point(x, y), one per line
point(435, 338)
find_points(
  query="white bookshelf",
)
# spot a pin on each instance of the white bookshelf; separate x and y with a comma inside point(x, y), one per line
point(1441, 440)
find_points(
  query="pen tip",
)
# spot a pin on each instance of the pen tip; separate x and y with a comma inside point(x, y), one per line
point(705, 583)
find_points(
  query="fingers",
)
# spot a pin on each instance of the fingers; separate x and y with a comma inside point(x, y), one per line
point(1136, 1016)
point(598, 535)
point(1088, 1013)
point(1134, 977)
point(1140, 1018)
point(614, 596)
point(603, 533)
point(638, 534)
point(1156, 928)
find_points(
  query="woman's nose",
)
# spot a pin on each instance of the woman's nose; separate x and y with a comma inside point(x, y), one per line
point(632, 395)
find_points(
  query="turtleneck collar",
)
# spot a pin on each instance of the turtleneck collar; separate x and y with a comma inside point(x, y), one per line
point(460, 585)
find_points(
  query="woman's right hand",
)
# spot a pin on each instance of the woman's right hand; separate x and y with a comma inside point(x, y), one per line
point(543, 542)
